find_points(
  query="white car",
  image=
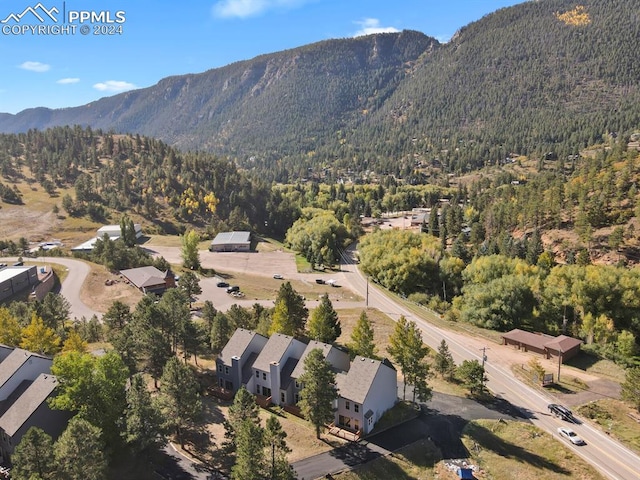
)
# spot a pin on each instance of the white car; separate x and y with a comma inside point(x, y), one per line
point(277, 276)
point(570, 435)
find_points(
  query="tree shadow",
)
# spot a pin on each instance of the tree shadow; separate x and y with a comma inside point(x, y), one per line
point(489, 441)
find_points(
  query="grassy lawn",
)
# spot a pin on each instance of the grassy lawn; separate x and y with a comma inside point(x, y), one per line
point(615, 417)
point(522, 451)
point(401, 412)
point(266, 288)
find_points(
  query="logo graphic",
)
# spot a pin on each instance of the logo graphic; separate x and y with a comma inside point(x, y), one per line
point(34, 12)
point(40, 20)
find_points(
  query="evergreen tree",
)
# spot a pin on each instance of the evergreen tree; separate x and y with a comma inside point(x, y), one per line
point(324, 324)
point(180, 397)
point(362, 342)
point(244, 407)
point(220, 332)
point(444, 363)
point(190, 284)
point(277, 448)
point(116, 317)
point(143, 419)
point(318, 390)
point(250, 457)
point(33, 457)
point(79, 452)
point(295, 309)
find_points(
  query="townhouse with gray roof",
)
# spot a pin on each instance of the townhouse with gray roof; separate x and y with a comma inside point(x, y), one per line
point(25, 385)
point(339, 360)
point(366, 391)
point(271, 368)
point(234, 363)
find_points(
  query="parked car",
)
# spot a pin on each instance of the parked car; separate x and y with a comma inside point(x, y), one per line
point(319, 281)
point(222, 284)
point(571, 436)
point(277, 276)
point(561, 412)
point(233, 288)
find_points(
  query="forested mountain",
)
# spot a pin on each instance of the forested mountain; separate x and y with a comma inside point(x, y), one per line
point(538, 77)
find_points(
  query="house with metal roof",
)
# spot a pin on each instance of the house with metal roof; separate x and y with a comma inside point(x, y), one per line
point(366, 392)
point(231, 242)
point(234, 364)
point(150, 279)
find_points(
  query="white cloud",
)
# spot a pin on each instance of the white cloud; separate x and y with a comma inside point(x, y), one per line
point(250, 8)
point(372, 25)
point(35, 67)
point(68, 81)
point(114, 86)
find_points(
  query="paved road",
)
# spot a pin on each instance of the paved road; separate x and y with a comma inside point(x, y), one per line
point(610, 457)
point(70, 288)
point(442, 419)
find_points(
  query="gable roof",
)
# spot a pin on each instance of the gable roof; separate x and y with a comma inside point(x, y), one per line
point(562, 343)
point(144, 277)
point(34, 396)
point(273, 351)
point(313, 344)
point(237, 344)
point(356, 383)
point(10, 365)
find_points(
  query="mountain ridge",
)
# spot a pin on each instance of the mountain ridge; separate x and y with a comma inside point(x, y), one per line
point(537, 77)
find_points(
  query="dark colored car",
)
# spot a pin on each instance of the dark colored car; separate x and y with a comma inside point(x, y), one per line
point(233, 288)
point(222, 284)
point(319, 281)
point(561, 411)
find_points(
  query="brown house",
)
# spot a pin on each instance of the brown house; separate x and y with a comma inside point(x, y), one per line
point(150, 279)
point(547, 345)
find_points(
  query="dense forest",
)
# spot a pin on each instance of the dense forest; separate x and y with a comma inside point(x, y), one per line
point(548, 77)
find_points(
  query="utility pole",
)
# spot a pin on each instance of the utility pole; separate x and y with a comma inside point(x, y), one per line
point(559, 363)
point(484, 359)
point(366, 303)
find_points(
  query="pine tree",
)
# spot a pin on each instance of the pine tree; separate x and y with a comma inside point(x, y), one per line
point(319, 390)
point(250, 456)
point(444, 363)
point(180, 399)
point(631, 387)
point(295, 309)
point(79, 452)
point(143, 419)
point(277, 448)
point(362, 343)
point(324, 324)
point(34, 457)
point(244, 407)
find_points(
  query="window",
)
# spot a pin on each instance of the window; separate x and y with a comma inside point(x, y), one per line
point(226, 370)
point(347, 405)
point(220, 367)
point(258, 389)
point(370, 420)
point(298, 386)
point(221, 382)
point(257, 374)
point(282, 398)
point(356, 425)
point(297, 398)
point(356, 407)
point(264, 376)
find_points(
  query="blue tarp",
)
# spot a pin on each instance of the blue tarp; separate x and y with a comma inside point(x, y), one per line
point(465, 473)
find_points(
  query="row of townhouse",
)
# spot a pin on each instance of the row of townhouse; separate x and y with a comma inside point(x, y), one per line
point(26, 384)
point(271, 367)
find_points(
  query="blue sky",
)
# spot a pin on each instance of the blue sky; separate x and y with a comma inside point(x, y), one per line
point(153, 39)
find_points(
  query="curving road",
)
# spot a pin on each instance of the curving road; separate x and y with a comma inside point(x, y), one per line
point(610, 457)
point(70, 288)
